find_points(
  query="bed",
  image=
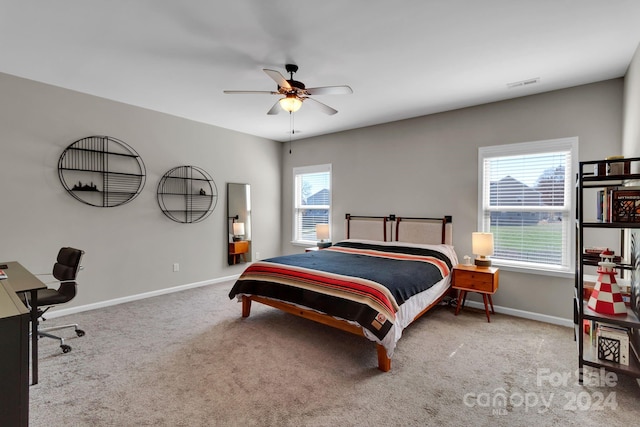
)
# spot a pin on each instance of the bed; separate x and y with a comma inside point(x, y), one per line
point(385, 274)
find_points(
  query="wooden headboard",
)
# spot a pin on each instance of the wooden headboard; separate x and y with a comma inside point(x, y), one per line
point(394, 228)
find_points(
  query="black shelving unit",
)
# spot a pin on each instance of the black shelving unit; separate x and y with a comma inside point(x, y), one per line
point(101, 171)
point(592, 175)
point(187, 194)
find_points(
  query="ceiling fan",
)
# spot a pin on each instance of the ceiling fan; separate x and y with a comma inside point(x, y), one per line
point(295, 92)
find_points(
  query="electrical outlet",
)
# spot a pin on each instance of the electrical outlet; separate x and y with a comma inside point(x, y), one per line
point(257, 256)
point(176, 267)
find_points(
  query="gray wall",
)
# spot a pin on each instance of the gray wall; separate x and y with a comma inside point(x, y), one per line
point(427, 166)
point(631, 122)
point(130, 249)
point(420, 167)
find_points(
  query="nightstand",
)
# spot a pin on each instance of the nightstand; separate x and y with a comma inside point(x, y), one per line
point(237, 250)
point(470, 278)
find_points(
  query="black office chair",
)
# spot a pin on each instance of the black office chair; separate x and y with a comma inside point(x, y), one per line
point(65, 271)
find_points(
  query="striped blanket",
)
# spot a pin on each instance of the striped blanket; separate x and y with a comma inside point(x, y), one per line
point(361, 282)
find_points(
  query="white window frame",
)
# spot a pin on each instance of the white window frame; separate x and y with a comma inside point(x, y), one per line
point(570, 145)
point(297, 209)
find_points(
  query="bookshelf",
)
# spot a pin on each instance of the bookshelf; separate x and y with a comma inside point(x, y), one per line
point(617, 210)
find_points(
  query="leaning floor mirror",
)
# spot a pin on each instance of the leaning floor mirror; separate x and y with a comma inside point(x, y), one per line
point(239, 223)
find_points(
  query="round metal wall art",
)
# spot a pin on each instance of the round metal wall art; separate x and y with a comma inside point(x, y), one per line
point(101, 171)
point(187, 194)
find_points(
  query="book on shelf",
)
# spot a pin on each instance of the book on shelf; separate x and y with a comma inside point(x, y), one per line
point(618, 204)
point(600, 203)
point(603, 204)
point(597, 250)
point(592, 254)
point(596, 258)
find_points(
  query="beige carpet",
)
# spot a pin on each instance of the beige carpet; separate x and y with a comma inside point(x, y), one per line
point(188, 359)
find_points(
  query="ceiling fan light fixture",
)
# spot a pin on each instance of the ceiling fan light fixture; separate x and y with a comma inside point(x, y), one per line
point(291, 103)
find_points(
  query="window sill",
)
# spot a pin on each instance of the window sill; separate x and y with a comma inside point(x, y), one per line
point(304, 243)
point(537, 271)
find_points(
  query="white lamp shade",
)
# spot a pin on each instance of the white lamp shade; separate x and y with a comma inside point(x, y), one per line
point(291, 103)
point(322, 231)
point(482, 243)
point(238, 228)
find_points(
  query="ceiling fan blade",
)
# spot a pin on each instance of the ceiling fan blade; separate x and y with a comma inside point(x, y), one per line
point(278, 78)
point(323, 107)
point(251, 92)
point(275, 109)
point(330, 90)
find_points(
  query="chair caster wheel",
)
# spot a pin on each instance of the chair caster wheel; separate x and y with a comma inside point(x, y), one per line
point(79, 332)
point(65, 348)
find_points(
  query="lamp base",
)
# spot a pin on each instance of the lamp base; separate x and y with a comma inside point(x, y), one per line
point(323, 245)
point(483, 262)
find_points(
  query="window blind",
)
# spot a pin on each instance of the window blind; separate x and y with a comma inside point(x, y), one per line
point(312, 201)
point(526, 192)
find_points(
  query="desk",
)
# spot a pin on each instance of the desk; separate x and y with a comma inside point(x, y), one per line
point(14, 358)
point(21, 280)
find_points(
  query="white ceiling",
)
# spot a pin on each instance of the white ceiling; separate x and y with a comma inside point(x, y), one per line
point(401, 58)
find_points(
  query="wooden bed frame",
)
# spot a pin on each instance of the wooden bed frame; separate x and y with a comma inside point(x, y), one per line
point(390, 222)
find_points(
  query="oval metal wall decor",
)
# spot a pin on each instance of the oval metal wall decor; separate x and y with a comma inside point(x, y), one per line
point(101, 171)
point(187, 194)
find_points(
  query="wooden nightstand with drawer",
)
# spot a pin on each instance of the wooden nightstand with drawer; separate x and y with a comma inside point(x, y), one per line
point(470, 278)
point(237, 251)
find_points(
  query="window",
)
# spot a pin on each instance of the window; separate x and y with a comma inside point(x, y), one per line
point(525, 196)
point(312, 201)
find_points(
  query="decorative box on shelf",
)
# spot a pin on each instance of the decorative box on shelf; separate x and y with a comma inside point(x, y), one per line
point(625, 206)
point(620, 167)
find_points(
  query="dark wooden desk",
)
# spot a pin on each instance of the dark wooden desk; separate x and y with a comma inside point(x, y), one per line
point(21, 280)
point(14, 359)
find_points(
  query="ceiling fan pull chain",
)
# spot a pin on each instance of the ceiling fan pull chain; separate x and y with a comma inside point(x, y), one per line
point(291, 129)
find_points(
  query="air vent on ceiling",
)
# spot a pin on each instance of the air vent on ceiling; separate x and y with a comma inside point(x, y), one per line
point(523, 83)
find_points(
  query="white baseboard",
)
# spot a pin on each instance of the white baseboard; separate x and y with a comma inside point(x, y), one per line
point(52, 314)
point(525, 314)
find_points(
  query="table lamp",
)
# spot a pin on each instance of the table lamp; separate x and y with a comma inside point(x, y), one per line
point(322, 234)
point(238, 231)
point(482, 246)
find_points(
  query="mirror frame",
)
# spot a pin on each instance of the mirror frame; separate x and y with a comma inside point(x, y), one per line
point(239, 248)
